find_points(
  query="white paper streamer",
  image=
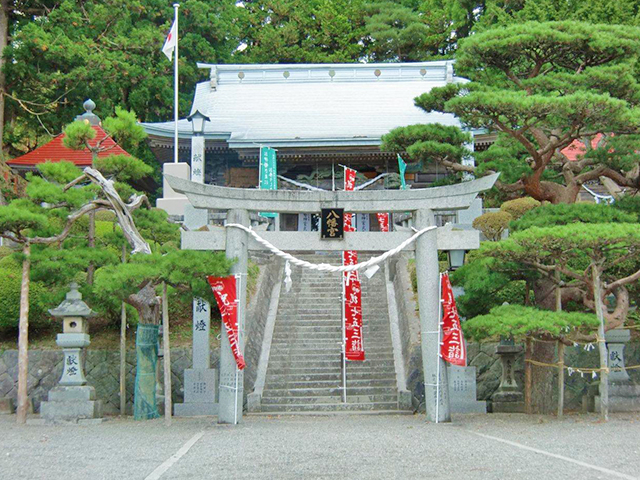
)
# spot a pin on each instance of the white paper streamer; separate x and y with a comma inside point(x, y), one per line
point(287, 276)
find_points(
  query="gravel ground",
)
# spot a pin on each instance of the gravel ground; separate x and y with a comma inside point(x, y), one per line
point(349, 446)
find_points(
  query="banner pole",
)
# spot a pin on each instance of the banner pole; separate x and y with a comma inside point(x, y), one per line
point(344, 340)
point(438, 354)
point(175, 89)
point(238, 317)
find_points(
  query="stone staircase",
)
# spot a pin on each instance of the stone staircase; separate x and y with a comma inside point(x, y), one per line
point(305, 368)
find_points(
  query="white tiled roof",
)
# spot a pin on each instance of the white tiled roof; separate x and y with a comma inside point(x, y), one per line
point(312, 105)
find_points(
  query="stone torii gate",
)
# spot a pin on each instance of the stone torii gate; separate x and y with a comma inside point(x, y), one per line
point(238, 202)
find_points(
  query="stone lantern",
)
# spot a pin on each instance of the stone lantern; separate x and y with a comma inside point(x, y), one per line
point(72, 399)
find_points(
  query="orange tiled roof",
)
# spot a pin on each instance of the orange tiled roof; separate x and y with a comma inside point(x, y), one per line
point(578, 149)
point(55, 151)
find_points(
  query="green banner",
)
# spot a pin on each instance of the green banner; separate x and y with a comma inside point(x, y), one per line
point(268, 173)
point(402, 166)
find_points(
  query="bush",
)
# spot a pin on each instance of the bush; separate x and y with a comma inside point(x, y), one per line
point(10, 283)
point(565, 214)
point(518, 207)
point(492, 224)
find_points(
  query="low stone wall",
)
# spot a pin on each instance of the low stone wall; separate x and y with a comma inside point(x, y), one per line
point(483, 356)
point(257, 311)
point(489, 370)
point(102, 369)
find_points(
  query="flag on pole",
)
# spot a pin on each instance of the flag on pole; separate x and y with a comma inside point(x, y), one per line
point(171, 41)
point(354, 347)
point(402, 167)
point(452, 347)
point(268, 173)
point(224, 289)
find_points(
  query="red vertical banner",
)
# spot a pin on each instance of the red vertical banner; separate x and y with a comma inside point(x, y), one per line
point(452, 348)
point(383, 221)
point(354, 346)
point(224, 289)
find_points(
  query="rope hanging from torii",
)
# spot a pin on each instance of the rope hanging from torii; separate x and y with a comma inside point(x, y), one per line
point(370, 265)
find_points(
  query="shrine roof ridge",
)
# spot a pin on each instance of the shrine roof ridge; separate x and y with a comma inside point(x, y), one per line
point(439, 71)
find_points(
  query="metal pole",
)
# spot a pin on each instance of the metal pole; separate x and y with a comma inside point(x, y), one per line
point(238, 316)
point(439, 340)
point(176, 6)
point(123, 348)
point(167, 355)
point(344, 340)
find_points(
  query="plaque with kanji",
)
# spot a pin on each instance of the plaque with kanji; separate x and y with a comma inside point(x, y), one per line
point(332, 224)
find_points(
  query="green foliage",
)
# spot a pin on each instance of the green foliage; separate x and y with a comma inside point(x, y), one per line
point(565, 214)
point(519, 321)
point(122, 167)
point(111, 51)
point(10, 281)
point(185, 270)
point(403, 34)
point(629, 204)
point(540, 85)
point(518, 207)
point(125, 129)
point(289, 31)
point(487, 283)
point(492, 224)
point(78, 134)
point(428, 143)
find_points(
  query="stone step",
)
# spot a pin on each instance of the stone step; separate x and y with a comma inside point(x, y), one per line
point(328, 399)
point(326, 362)
point(322, 354)
point(329, 349)
point(329, 376)
point(359, 374)
point(330, 407)
point(328, 391)
point(290, 385)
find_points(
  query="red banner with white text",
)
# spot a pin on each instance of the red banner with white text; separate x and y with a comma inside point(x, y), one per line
point(383, 221)
point(224, 289)
point(452, 348)
point(354, 347)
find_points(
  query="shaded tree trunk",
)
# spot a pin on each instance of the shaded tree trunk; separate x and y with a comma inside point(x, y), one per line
point(542, 377)
point(147, 303)
point(4, 40)
point(23, 337)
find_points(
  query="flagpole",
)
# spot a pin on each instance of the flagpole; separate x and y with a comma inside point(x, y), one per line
point(176, 6)
point(438, 356)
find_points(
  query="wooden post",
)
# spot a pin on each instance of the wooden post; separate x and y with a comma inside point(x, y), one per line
point(123, 348)
point(560, 379)
point(602, 347)
point(167, 356)
point(23, 337)
point(527, 375)
point(558, 293)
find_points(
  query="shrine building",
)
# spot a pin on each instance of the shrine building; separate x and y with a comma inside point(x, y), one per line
point(317, 116)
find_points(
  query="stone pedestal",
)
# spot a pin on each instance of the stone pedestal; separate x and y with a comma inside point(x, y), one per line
point(72, 400)
point(624, 396)
point(71, 404)
point(6, 406)
point(463, 391)
point(200, 381)
point(508, 398)
point(199, 393)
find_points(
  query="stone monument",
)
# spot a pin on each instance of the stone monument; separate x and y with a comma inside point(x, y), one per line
point(200, 380)
point(463, 392)
point(624, 395)
point(72, 400)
